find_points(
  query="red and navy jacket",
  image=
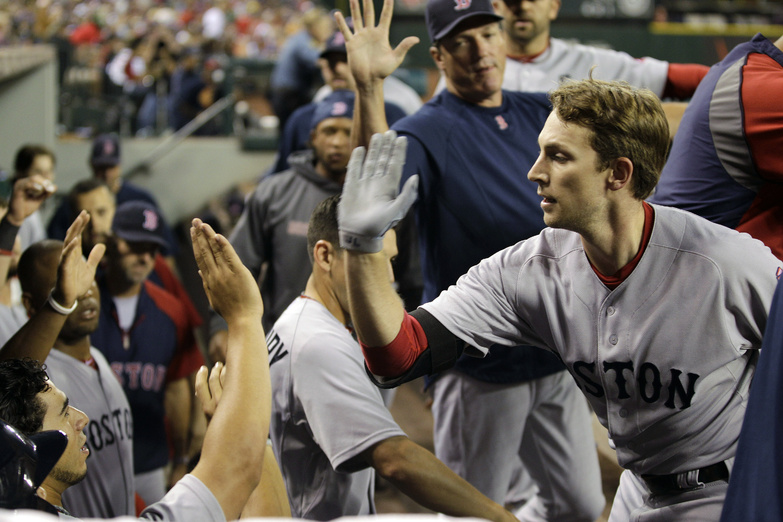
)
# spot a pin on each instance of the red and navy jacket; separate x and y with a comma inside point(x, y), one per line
point(158, 348)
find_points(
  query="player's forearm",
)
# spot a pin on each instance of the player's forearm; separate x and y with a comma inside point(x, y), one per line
point(36, 337)
point(425, 479)
point(376, 309)
point(233, 450)
point(369, 114)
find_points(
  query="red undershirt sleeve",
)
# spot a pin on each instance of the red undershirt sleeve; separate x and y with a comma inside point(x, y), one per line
point(398, 356)
point(682, 80)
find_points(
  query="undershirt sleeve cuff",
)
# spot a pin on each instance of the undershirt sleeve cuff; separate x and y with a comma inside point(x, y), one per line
point(682, 80)
point(398, 356)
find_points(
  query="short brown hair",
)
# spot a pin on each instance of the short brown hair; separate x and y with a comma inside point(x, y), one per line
point(624, 121)
point(323, 225)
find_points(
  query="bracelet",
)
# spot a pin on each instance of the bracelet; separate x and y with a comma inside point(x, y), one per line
point(60, 309)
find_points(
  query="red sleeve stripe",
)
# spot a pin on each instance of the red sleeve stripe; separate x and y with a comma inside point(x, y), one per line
point(398, 356)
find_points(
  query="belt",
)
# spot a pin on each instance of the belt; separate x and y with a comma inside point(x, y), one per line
point(697, 478)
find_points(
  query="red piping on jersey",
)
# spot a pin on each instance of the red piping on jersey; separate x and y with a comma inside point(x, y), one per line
point(398, 356)
point(614, 280)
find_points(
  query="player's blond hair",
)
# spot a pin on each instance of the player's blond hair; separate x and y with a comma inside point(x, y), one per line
point(624, 122)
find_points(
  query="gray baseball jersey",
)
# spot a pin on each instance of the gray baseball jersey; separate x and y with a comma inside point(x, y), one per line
point(189, 499)
point(665, 359)
point(564, 59)
point(325, 413)
point(108, 490)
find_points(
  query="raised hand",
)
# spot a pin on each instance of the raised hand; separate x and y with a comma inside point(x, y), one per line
point(75, 274)
point(370, 55)
point(27, 197)
point(370, 204)
point(230, 287)
point(209, 388)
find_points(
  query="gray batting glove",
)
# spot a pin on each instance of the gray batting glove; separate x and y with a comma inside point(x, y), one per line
point(370, 204)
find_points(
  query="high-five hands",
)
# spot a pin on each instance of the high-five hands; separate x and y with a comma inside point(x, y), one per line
point(370, 204)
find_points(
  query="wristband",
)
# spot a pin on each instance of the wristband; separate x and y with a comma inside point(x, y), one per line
point(7, 235)
point(360, 243)
point(60, 309)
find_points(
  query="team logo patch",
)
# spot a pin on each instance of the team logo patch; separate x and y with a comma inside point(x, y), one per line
point(150, 220)
point(339, 108)
point(502, 125)
point(779, 272)
point(108, 148)
point(460, 5)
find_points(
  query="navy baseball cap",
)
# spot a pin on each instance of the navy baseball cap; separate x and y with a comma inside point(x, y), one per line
point(105, 151)
point(442, 16)
point(139, 222)
point(24, 464)
point(336, 42)
point(339, 104)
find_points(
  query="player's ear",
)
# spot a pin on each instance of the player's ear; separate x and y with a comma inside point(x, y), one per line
point(437, 56)
point(621, 172)
point(554, 9)
point(323, 254)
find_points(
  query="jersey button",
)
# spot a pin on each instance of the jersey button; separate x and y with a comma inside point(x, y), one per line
point(610, 310)
point(623, 413)
point(613, 339)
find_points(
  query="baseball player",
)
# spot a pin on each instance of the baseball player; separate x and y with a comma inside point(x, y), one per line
point(657, 313)
point(317, 370)
point(235, 397)
point(144, 333)
point(81, 371)
point(725, 163)
point(537, 62)
point(273, 225)
point(467, 145)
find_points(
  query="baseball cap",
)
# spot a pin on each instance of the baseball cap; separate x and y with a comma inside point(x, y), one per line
point(139, 222)
point(105, 151)
point(336, 42)
point(24, 464)
point(442, 16)
point(339, 104)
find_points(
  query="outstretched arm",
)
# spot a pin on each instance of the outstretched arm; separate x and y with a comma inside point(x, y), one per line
point(371, 59)
point(233, 450)
point(421, 476)
point(27, 196)
point(75, 276)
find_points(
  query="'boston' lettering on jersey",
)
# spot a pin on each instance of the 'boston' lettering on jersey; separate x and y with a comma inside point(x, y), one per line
point(648, 379)
point(146, 376)
point(276, 347)
point(109, 429)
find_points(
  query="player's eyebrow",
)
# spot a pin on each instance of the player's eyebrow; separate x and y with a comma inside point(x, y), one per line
point(65, 406)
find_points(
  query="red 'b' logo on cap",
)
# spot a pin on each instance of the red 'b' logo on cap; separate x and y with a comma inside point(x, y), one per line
point(150, 220)
point(459, 5)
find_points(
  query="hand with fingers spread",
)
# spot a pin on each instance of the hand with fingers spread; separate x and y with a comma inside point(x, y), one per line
point(370, 55)
point(75, 274)
point(209, 387)
point(370, 204)
point(230, 287)
point(28, 195)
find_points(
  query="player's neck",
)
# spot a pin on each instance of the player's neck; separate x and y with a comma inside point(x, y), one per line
point(528, 49)
point(319, 290)
point(78, 349)
point(614, 242)
point(50, 493)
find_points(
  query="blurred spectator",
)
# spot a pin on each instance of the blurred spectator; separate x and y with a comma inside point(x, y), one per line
point(33, 159)
point(295, 75)
point(197, 85)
